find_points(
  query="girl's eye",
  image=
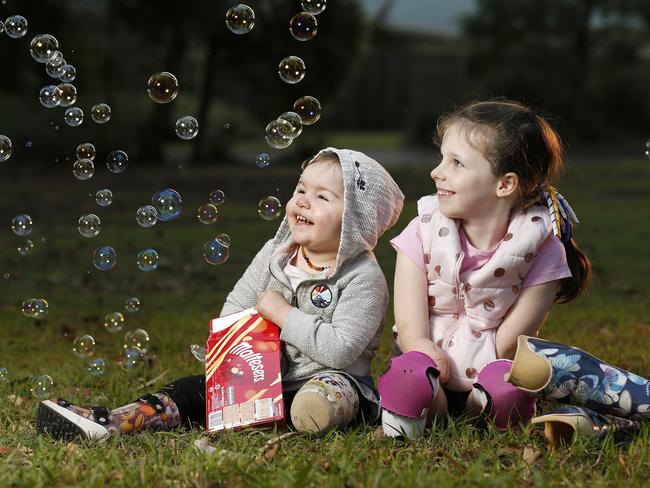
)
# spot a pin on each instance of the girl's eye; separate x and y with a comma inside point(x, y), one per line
point(323, 197)
point(300, 191)
point(457, 163)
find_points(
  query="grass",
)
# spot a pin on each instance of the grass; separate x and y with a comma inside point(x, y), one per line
point(612, 321)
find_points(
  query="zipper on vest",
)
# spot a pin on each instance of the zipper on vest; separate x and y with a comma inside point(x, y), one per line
point(294, 300)
point(460, 299)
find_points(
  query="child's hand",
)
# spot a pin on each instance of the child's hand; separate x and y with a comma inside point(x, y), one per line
point(428, 347)
point(273, 306)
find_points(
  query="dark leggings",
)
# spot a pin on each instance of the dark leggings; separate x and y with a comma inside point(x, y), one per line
point(188, 394)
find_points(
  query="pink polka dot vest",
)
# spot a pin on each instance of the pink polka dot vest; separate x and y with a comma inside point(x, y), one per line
point(464, 315)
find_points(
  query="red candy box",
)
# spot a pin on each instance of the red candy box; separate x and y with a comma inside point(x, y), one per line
point(243, 386)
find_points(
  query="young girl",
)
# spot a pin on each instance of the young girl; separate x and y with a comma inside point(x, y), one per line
point(481, 264)
point(318, 280)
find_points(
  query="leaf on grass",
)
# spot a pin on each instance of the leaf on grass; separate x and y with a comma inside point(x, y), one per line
point(16, 401)
point(72, 450)
point(267, 454)
point(171, 443)
point(377, 434)
point(5, 450)
point(203, 445)
point(117, 475)
point(531, 455)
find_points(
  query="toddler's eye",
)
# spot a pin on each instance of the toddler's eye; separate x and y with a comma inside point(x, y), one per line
point(457, 163)
point(323, 197)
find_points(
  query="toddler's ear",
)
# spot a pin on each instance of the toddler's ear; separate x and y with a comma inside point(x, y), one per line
point(507, 184)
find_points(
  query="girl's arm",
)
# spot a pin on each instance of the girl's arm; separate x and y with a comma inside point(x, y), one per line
point(526, 317)
point(412, 313)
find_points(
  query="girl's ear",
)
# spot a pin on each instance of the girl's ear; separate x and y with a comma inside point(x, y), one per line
point(507, 185)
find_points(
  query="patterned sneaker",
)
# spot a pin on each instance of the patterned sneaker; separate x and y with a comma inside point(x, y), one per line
point(67, 422)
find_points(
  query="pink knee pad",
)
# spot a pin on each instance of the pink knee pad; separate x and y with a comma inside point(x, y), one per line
point(506, 405)
point(408, 386)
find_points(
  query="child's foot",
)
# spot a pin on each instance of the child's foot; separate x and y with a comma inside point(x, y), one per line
point(67, 422)
point(399, 426)
point(326, 402)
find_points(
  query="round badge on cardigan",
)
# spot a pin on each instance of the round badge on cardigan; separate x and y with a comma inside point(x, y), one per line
point(321, 296)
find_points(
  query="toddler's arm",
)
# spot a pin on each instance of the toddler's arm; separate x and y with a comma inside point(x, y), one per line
point(251, 284)
point(526, 316)
point(357, 318)
point(412, 313)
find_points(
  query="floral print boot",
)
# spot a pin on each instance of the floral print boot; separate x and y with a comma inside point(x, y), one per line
point(566, 374)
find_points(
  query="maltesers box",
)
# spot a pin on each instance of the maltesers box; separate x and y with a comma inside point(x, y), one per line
point(242, 370)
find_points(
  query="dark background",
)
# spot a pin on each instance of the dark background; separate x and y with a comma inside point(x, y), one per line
point(584, 63)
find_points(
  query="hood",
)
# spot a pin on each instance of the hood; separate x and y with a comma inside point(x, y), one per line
point(372, 202)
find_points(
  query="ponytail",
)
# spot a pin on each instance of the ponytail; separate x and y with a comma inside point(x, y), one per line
point(580, 266)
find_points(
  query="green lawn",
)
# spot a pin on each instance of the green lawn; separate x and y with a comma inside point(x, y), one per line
point(612, 199)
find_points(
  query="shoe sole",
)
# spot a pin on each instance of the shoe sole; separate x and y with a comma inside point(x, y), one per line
point(65, 425)
point(311, 412)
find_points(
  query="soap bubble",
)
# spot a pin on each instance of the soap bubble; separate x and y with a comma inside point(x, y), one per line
point(50, 96)
point(270, 208)
point(54, 66)
point(100, 113)
point(74, 116)
point(217, 197)
point(5, 148)
point(42, 46)
point(292, 69)
point(303, 26)
point(131, 358)
point(83, 169)
point(132, 304)
point(162, 87)
point(198, 352)
point(263, 160)
point(104, 258)
point(68, 73)
point(68, 95)
point(296, 123)
point(308, 108)
point(97, 367)
point(104, 197)
point(113, 322)
point(647, 149)
point(25, 248)
point(84, 346)
point(314, 7)
point(224, 239)
point(117, 161)
point(2, 26)
point(16, 26)
point(187, 128)
point(217, 250)
point(86, 151)
point(34, 308)
point(21, 225)
point(240, 19)
point(137, 338)
point(89, 225)
point(207, 214)
point(148, 260)
point(42, 387)
point(55, 54)
point(277, 134)
point(146, 216)
point(4, 374)
point(168, 204)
